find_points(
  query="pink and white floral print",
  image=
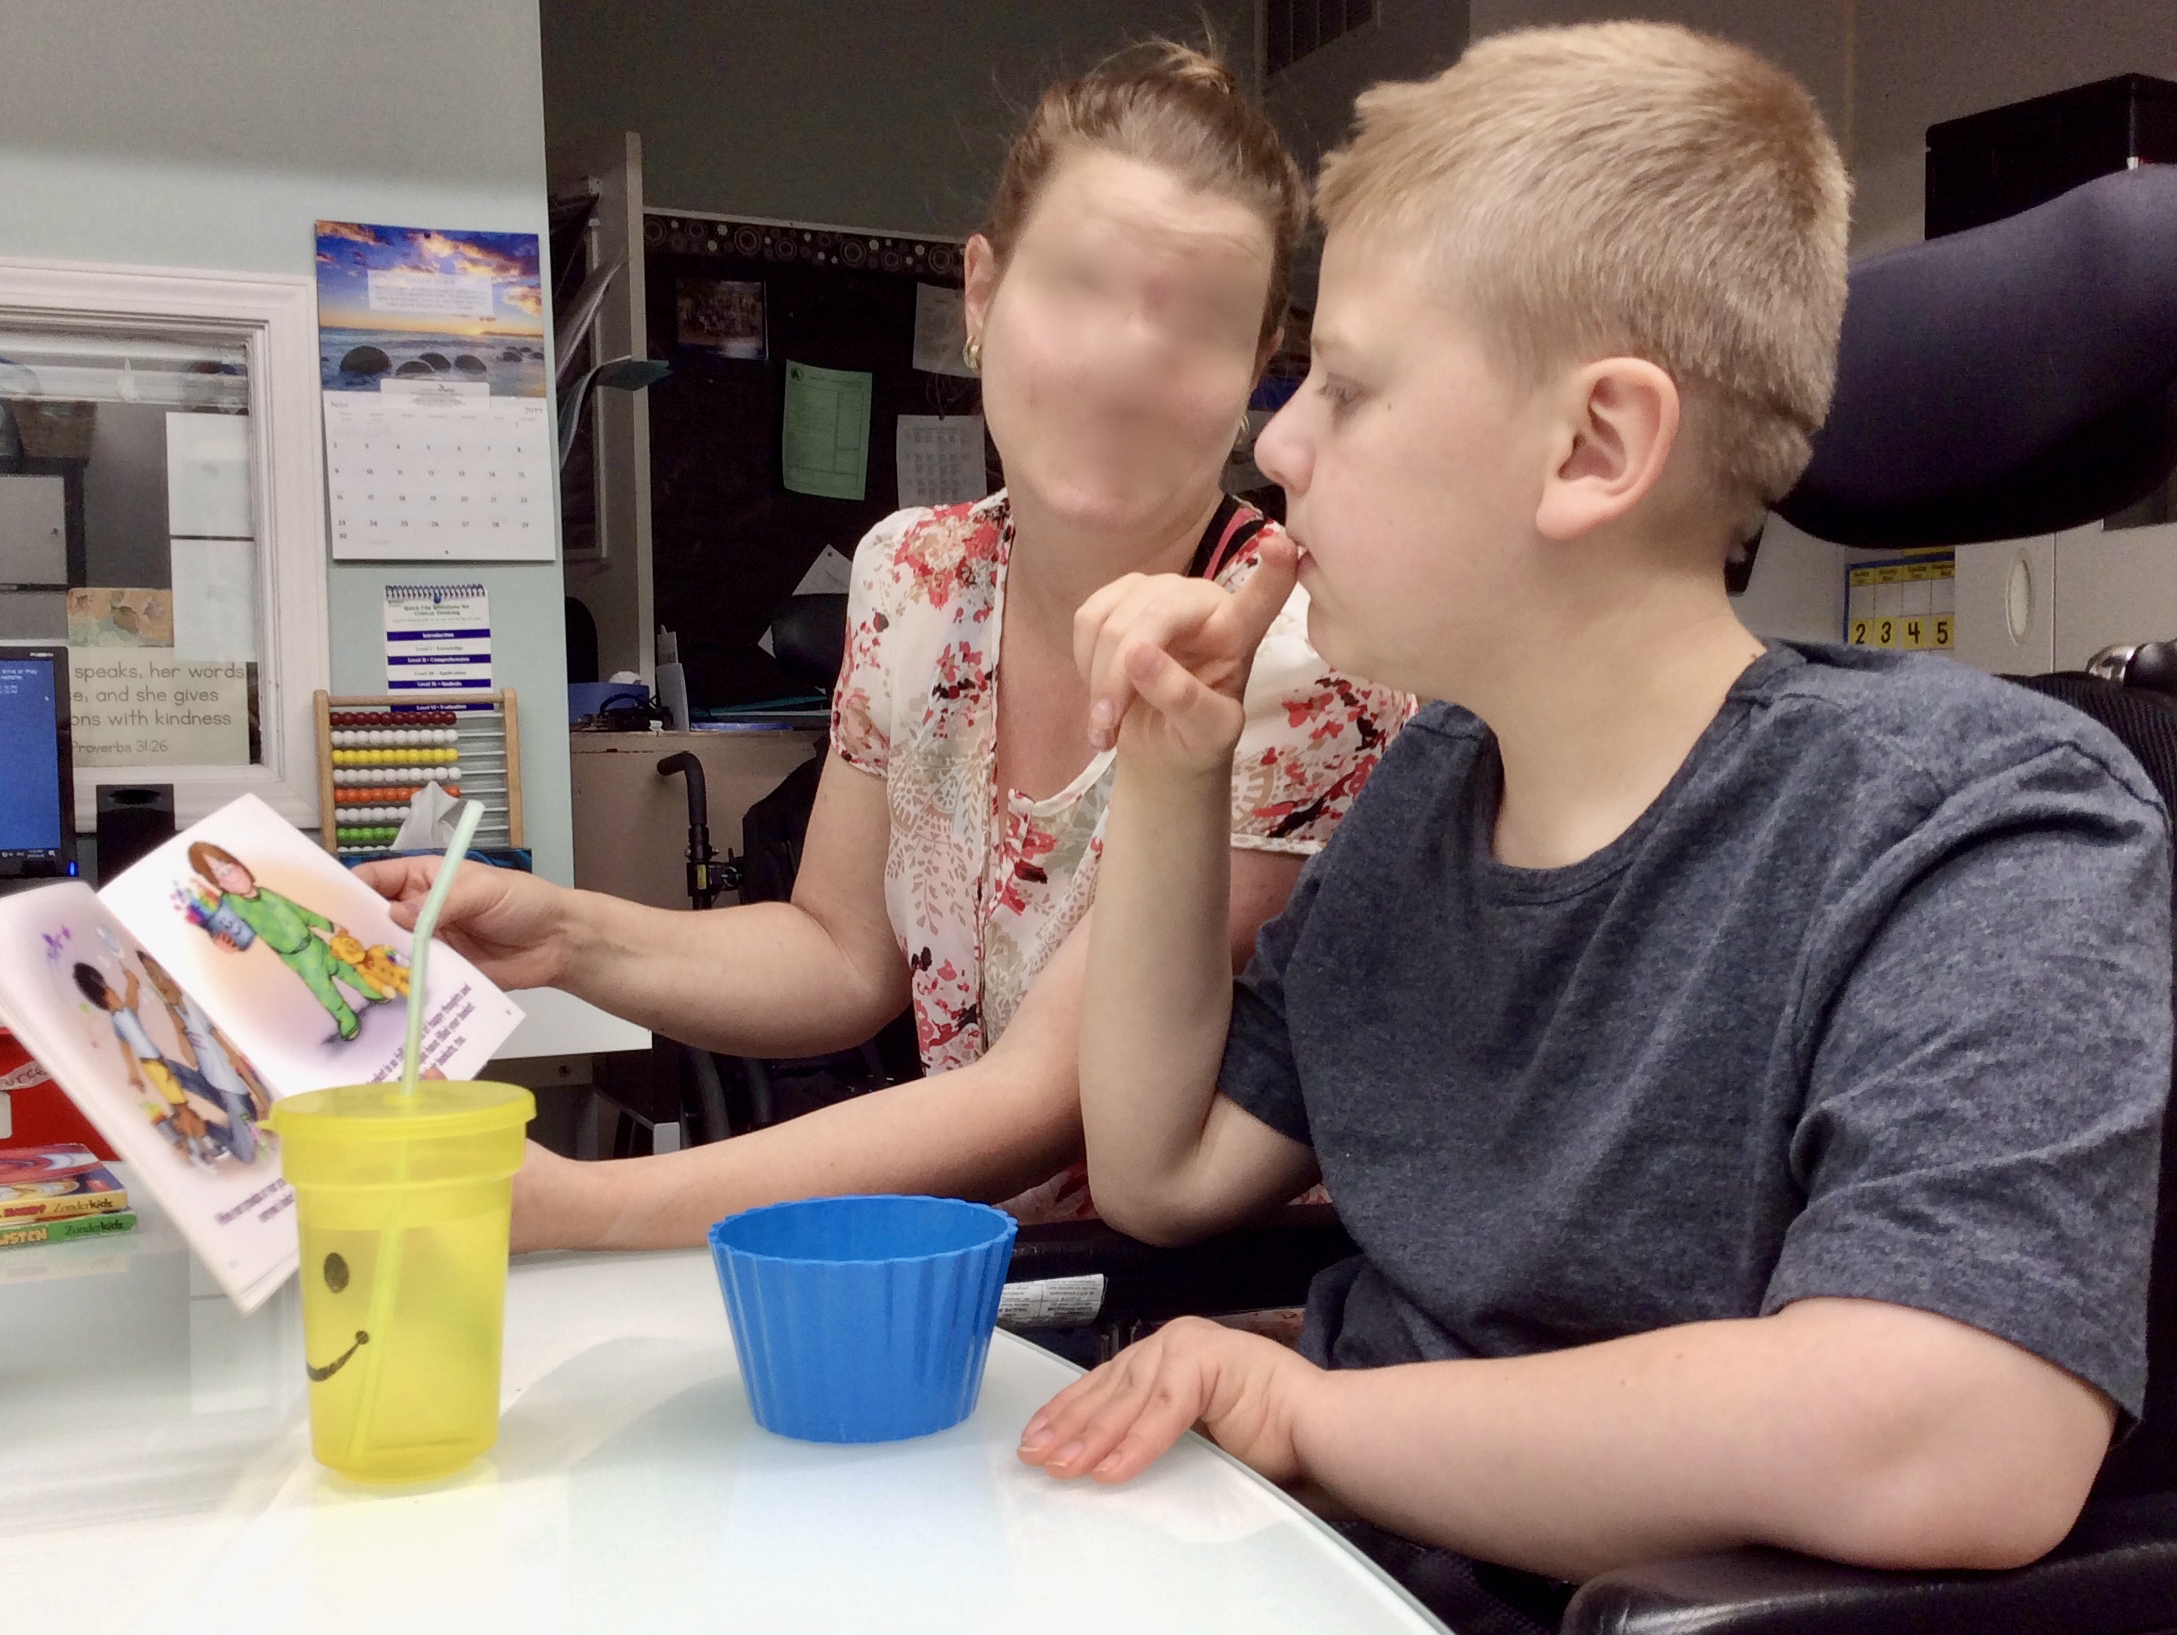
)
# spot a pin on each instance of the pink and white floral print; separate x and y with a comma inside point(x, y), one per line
point(982, 884)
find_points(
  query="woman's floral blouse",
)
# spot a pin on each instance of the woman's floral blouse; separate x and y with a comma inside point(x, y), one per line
point(982, 884)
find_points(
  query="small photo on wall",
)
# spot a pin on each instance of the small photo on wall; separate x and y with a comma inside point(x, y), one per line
point(722, 314)
point(119, 616)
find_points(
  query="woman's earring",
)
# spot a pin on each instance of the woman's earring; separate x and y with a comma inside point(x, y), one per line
point(1240, 437)
point(971, 354)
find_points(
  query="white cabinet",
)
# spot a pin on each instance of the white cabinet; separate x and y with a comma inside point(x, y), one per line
point(33, 530)
point(2024, 606)
point(2051, 603)
point(2006, 593)
point(2113, 587)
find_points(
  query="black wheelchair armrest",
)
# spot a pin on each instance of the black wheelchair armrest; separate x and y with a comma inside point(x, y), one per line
point(1256, 1267)
point(2115, 1575)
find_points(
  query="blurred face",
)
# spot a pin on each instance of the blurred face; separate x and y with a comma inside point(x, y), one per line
point(1412, 471)
point(1120, 341)
point(232, 878)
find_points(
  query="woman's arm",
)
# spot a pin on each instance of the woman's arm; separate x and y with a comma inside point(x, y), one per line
point(989, 1130)
point(986, 1131)
point(772, 979)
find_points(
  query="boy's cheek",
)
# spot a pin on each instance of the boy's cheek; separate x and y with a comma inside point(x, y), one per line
point(1348, 568)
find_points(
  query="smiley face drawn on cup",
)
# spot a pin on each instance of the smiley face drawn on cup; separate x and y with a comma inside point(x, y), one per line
point(335, 1272)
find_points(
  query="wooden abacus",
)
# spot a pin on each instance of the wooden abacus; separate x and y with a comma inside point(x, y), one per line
point(374, 753)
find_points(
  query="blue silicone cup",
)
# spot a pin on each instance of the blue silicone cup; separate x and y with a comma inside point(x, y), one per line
point(862, 1319)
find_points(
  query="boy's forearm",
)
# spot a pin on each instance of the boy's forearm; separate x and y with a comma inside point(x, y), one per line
point(1847, 1429)
point(1158, 993)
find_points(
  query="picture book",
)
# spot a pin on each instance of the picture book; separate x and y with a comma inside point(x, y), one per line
point(235, 964)
point(48, 1183)
point(21, 1234)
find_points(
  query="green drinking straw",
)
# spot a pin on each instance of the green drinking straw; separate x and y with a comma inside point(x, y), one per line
point(387, 1282)
point(471, 814)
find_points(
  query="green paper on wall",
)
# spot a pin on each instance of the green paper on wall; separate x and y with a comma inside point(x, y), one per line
point(824, 438)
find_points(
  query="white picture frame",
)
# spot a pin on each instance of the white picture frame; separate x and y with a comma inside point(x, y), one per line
point(275, 317)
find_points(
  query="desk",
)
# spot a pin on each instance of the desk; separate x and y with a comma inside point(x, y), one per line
point(156, 1473)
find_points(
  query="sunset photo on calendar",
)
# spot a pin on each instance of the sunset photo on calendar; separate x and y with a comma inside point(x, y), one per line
point(417, 308)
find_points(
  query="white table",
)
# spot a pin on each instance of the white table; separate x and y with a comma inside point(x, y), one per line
point(155, 1475)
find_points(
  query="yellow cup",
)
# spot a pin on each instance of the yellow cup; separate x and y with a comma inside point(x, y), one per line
point(402, 1208)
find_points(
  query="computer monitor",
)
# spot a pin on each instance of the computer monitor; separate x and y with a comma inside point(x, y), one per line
point(37, 770)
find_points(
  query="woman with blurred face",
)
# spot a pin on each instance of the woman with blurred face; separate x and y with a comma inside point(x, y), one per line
point(1121, 302)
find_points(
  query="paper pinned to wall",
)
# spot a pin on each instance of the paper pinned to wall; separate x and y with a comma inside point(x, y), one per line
point(824, 438)
point(438, 644)
point(831, 574)
point(723, 314)
point(207, 475)
point(940, 459)
point(215, 599)
point(941, 330)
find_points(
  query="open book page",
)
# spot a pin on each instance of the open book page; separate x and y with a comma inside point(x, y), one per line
point(297, 959)
point(164, 1085)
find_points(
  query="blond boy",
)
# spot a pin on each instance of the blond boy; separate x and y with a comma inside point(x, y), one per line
point(1740, 1064)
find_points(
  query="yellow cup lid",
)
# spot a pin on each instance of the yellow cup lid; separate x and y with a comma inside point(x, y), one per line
point(440, 1109)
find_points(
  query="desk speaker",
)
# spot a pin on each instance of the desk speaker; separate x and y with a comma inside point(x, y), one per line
point(132, 819)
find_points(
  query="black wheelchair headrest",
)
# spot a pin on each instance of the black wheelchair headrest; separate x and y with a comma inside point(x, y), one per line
point(2013, 379)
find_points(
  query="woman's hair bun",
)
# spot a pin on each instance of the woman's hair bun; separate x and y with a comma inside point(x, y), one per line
point(1169, 59)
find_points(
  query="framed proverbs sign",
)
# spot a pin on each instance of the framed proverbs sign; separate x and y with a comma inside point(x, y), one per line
point(141, 706)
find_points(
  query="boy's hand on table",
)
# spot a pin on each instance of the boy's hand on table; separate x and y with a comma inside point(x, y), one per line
point(1181, 650)
point(1242, 1390)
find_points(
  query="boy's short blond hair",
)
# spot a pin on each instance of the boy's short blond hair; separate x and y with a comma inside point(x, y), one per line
point(1627, 189)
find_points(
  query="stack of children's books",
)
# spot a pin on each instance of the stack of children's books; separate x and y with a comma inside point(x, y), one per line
point(234, 965)
point(52, 1194)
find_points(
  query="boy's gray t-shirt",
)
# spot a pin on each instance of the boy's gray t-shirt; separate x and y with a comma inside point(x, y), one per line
point(1873, 1001)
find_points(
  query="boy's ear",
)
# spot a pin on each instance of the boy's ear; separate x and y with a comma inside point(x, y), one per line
point(1617, 424)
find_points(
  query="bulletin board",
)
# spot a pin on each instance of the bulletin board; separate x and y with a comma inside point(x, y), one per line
point(732, 305)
